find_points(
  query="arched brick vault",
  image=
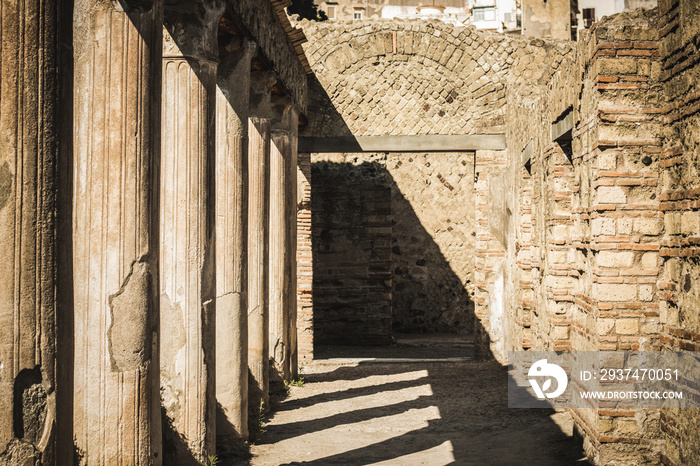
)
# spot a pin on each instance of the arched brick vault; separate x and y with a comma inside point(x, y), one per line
point(421, 78)
point(415, 77)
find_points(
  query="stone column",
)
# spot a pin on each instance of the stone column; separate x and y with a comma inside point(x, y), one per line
point(258, 202)
point(233, 85)
point(28, 96)
point(282, 243)
point(258, 208)
point(279, 254)
point(187, 260)
point(116, 146)
point(292, 204)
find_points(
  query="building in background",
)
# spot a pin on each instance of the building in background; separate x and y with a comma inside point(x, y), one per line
point(495, 15)
point(449, 11)
point(552, 19)
point(592, 11)
point(563, 19)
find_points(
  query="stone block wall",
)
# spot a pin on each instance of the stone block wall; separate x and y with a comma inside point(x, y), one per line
point(607, 241)
point(432, 236)
point(432, 241)
point(617, 220)
point(679, 203)
point(352, 225)
point(417, 77)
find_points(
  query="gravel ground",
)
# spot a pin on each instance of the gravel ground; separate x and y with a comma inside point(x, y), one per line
point(423, 401)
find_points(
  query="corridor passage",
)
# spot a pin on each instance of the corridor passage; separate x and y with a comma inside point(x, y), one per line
point(424, 401)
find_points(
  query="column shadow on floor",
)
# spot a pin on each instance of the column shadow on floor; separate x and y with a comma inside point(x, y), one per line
point(474, 420)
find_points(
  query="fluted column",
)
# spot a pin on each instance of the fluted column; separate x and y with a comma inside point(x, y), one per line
point(232, 96)
point(279, 279)
point(28, 96)
point(291, 207)
point(258, 202)
point(187, 260)
point(282, 261)
point(116, 135)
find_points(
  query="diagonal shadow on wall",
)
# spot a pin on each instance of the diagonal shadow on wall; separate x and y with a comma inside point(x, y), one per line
point(377, 269)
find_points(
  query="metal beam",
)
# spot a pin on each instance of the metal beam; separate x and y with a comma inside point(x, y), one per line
point(419, 143)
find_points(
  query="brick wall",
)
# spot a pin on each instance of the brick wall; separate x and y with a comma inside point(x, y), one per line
point(305, 317)
point(679, 30)
point(489, 250)
point(596, 225)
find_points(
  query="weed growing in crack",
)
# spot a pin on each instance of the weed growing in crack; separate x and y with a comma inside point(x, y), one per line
point(256, 423)
point(298, 382)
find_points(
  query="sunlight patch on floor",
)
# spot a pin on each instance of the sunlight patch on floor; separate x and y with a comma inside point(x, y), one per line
point(345, 438)
point(439, 455)
point(341, 406)
point(374, 380)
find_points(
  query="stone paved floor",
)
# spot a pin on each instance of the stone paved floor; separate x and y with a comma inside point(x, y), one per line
point(405, 407)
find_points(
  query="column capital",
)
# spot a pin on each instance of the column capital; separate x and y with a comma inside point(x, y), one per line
point(235, 52)
point(261, 83)
point(238, 46)
point(190, 29)
point(283, 112)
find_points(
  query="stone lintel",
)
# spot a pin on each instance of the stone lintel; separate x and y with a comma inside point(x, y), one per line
point(419, 143)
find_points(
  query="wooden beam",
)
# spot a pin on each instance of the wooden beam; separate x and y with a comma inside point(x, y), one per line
point(419, 143)
point(526, 154)
point(563, 125)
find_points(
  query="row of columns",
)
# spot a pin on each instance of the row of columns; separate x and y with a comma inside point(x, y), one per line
point(179, 246)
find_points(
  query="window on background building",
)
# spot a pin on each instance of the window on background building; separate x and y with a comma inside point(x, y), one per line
point(359, 13)
point(588, 17)
point(484, 14)
point(507, 17)
point(330, 10)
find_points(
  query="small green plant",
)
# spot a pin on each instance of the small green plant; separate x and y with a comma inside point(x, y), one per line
point(256, 423)
point(299, 381)
point(213, 460)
